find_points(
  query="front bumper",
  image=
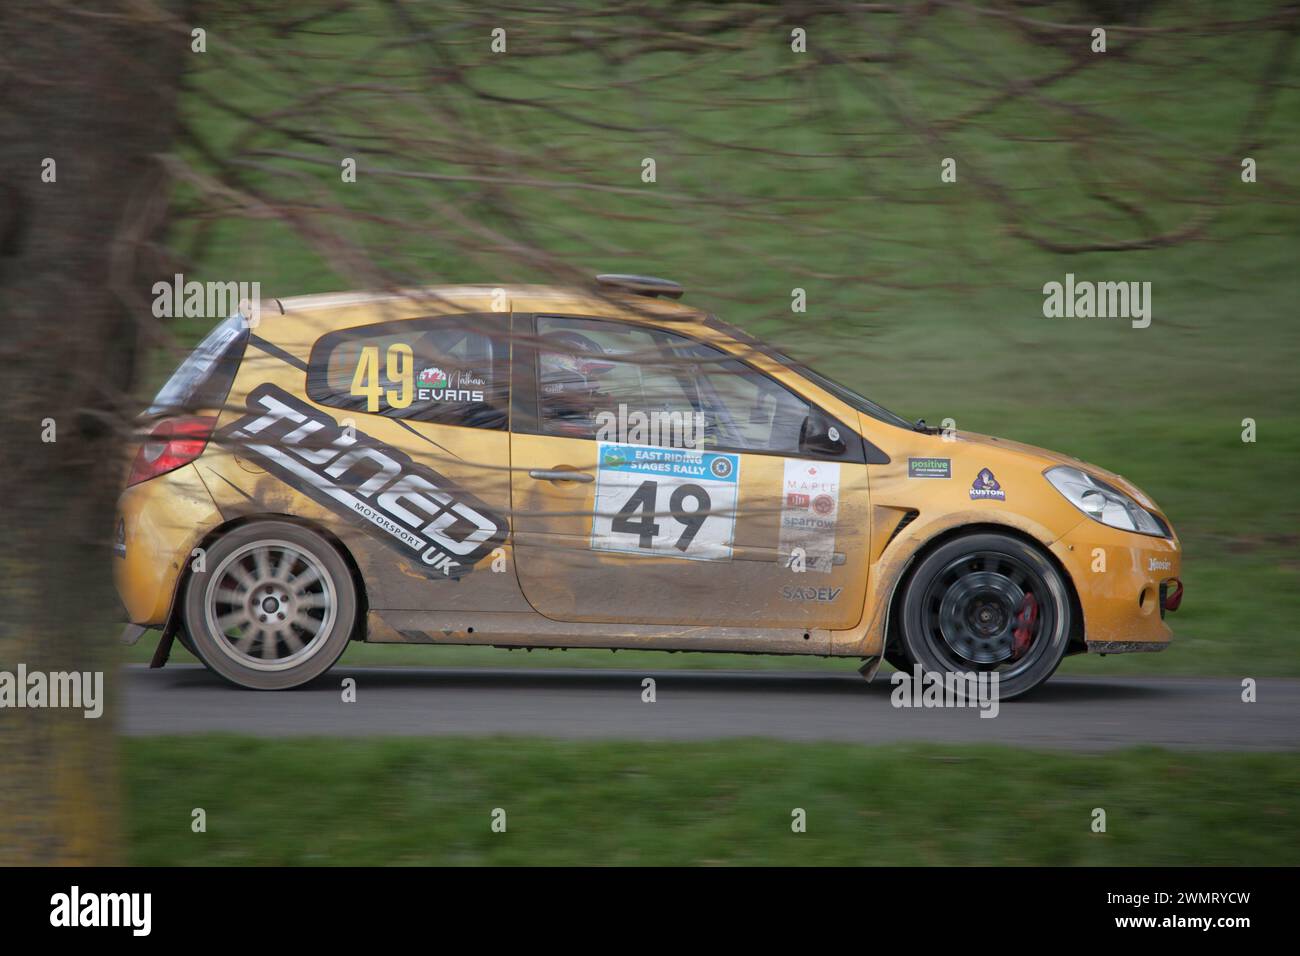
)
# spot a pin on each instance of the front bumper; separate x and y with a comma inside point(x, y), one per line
point(1126, 584)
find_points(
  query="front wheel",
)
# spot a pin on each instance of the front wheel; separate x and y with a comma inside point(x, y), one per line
point(988, 603)
point(274, 608)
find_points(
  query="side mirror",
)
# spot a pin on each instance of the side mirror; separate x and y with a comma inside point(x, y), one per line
point(819, 437)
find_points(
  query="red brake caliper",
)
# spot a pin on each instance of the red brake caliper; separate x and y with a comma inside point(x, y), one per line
point(1026, 624)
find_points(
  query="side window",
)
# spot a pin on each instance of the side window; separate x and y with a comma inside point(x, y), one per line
point(744, 408)
point(452, 370)
point(637, 385)
point(594, 374)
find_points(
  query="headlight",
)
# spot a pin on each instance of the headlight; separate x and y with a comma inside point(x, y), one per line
point(1103, 502)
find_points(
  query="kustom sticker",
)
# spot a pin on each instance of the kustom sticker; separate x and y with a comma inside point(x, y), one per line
point(810, 504)
point(985, 486)
point(672, 502)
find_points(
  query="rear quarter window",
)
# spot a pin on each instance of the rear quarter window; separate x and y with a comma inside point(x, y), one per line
point(202, 381)
point(451, 370)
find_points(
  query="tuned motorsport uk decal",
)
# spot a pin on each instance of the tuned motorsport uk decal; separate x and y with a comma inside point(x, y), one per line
point(414, 509)
point(929, 467)
point(986, 486)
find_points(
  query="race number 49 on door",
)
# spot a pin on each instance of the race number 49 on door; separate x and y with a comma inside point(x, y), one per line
point(673, 502)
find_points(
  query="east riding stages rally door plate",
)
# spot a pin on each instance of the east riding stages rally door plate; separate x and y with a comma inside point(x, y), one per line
point(670, 502)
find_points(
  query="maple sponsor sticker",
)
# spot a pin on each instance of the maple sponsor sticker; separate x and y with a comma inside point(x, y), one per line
point(810, 504)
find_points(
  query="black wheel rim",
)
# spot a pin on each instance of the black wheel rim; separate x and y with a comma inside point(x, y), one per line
point(988, 610)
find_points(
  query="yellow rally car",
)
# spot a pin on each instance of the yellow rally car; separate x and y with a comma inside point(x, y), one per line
point(550, 467)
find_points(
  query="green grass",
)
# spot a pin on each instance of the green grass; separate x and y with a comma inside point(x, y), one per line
point(430, 801)
point(917, 295)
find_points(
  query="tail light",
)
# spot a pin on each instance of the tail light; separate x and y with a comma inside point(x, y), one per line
point(172, 443)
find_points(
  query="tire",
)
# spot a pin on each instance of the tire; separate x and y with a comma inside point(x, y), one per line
point(184, 638)
point(896, 656)
point(988, 602)
point(265, 625)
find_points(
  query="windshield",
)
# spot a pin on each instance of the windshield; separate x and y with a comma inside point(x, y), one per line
point(846, 395)
point(203, 380)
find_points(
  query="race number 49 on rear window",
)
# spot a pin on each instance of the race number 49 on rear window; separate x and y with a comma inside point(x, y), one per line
point(670, 502)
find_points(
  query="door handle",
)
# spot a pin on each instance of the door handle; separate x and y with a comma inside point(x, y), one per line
point(560, 474)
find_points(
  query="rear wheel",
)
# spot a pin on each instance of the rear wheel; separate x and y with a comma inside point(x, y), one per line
point(275, 607)
point(988, 603)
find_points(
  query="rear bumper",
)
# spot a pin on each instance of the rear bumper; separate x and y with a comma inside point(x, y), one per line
point(160, 522)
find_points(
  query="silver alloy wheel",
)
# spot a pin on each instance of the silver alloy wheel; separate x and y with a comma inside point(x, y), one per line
point(270, 605)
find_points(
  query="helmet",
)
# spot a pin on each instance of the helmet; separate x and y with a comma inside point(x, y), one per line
point(569, 378)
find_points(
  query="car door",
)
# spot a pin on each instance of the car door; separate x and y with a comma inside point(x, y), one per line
point(658, 480)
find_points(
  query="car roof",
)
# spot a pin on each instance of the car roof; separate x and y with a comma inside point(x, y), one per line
point(411, 302)
point(304, 318)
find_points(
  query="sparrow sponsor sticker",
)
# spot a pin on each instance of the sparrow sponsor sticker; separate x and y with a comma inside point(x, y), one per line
point(985, 486)
point(810, 503)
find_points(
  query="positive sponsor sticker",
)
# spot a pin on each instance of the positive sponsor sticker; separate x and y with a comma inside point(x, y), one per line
point(810, 503)
point(929, 467)
point(673, 502)
point(986, 486)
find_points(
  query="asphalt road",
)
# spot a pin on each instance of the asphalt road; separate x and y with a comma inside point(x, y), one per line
point(1089, 713)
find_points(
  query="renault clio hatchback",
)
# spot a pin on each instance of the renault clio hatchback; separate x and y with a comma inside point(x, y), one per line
point(553, 467)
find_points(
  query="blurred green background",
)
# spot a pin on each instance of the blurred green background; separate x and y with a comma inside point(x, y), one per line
point(776, 172)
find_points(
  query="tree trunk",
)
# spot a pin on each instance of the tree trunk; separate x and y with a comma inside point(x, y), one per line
point(93, 88)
